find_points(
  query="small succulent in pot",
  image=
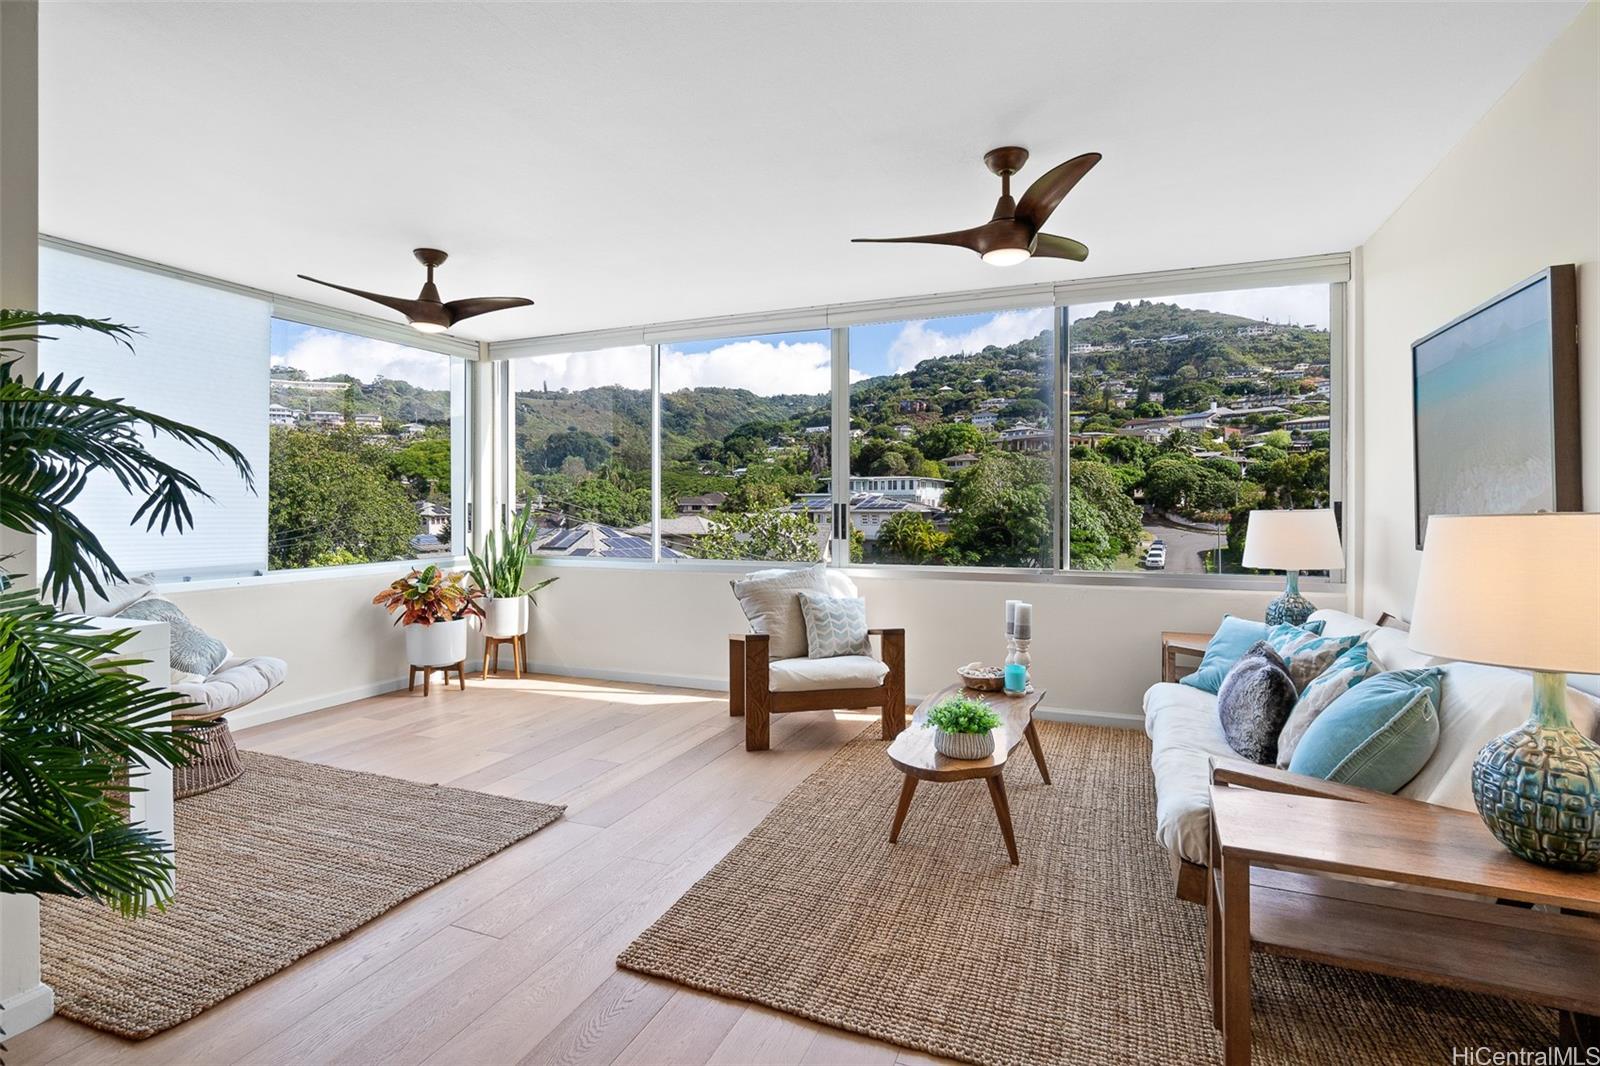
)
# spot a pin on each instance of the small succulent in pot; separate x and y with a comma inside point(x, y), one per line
point(963, 728)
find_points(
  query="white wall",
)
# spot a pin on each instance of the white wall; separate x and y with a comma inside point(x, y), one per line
point(1097, 647)
point(1520, 192)
point(338, 644)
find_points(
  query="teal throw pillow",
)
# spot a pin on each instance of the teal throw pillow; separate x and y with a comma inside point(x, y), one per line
point(1307, 652)
point(1347, 671)
point(1228, 644)
point(1377, 735)
point(194, 651)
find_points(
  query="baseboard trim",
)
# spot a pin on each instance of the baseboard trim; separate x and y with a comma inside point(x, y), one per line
point(1111, 719)
point(261, 716)
point(26, 1009)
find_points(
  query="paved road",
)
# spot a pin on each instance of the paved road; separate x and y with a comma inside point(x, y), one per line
point(1183, 547)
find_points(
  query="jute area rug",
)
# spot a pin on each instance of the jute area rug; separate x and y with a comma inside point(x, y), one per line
point(1080, 955)
point(287, 858)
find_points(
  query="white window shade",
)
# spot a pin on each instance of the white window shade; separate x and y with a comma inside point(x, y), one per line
point(201, 357)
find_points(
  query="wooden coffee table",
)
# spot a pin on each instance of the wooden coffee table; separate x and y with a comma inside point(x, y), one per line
point(913, 754)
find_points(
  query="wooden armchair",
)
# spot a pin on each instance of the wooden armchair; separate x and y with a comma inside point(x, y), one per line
point(759, 688)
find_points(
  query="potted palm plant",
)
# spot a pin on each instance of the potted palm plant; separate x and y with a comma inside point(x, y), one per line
point(499, 574)
point(433, 606)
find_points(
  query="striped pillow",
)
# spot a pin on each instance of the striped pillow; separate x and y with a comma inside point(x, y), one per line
point(1347, 671)
point(835, 625)
point(1307, 654)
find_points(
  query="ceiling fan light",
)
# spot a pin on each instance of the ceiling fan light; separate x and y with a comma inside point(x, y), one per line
point(428, 327)
point(1005, 256)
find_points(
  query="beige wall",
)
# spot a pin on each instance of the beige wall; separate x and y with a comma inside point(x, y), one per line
point(1097, 647)
point(1520, 192)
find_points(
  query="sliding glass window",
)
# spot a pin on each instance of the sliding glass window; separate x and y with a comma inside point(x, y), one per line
point(952, 450)
point(362, 468)
point(582, 423)
point(1187, 412)
point(746, 439)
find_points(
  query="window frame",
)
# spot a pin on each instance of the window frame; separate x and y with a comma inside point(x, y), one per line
point(1334, 270)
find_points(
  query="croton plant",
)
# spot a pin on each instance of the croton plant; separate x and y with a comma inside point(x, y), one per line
point(431, 595)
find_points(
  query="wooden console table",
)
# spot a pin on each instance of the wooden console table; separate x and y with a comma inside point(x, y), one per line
point(1176, 644)
point(1270, 890)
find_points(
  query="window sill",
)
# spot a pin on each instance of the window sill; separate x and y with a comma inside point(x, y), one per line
point(317, 573)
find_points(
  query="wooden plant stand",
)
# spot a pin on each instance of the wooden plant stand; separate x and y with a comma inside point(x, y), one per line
point(461, 676)
point(519, 654)
point(913, 754)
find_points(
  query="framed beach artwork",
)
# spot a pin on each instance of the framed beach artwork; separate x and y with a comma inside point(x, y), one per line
point(1495, 405)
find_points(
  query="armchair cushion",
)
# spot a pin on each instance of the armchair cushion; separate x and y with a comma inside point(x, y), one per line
point(841, 671)
point(835, 625)
point(770, 599)
point(234, 684)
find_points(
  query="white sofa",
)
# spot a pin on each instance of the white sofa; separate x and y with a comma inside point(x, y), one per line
point(1480, 703)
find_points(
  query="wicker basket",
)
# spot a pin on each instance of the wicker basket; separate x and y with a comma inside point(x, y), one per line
point(975, 677)
point(213, 763)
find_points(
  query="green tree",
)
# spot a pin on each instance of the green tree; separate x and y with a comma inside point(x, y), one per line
point(329, 492)
point(1001, 511)
point(426, 464)
point(1104, 521)
point(950, 438)
point(773, 535)
point(910, 537)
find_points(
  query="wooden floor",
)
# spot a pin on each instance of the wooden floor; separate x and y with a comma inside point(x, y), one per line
point(513, 961)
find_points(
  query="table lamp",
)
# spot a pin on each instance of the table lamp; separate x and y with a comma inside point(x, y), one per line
point(1292, 541)
point(1523, 591)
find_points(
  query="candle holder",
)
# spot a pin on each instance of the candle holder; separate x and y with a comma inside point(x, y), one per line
point(1017, 663)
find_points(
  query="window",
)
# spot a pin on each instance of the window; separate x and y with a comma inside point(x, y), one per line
point(746, 439)
point(583, 451)
point(1187, 412)
point(362, 465)
point(952, 447)
point(201, 356)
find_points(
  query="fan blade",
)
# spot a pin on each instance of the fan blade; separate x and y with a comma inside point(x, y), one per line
point(1044, 195)
point(1049, 246)
point(409, 308)
point(963, 238)
point(482, 305)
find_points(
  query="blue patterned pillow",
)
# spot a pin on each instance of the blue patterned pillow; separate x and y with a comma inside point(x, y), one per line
point(194, 651)
point(1307, 653)
point(1227, 646)
point(1347, 671)
point(835, 625)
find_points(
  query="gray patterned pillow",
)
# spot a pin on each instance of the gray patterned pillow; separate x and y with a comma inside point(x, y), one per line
point(194, 651)
point(1254, 701)
point(835, 625)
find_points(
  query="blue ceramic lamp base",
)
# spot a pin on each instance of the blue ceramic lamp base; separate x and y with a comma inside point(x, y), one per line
point(1291, 608)
point(1538, 786)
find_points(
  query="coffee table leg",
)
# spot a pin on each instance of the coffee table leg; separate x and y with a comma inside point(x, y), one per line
point(906, 790)
point(1002, 810)
point(1038, 750)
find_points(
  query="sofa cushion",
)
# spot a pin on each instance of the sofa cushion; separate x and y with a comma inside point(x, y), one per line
point(770, 599)
point(234, 684)
point(1342, 624)
point(1391, 649)
point(1347, 671)
point(1378, 735)
point(1227, 646)
point(1185, 734)
point(835, 625)
point(1480, 703)
point(843, 671)
point(1254, 702)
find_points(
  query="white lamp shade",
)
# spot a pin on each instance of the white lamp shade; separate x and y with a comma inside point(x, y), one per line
point(1511, 590)
point(1292, 540)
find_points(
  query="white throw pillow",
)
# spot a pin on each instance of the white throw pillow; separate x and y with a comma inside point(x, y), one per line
point(119, 595)
point(1480, 703)
point(1392, 649)
point(770, 599)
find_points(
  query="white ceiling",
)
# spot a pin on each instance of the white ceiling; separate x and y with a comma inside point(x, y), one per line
point(626, 164)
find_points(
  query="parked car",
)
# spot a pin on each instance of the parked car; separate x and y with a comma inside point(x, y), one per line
point(1155, 558)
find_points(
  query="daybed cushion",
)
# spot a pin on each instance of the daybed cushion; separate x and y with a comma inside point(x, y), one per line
point(235, 683)
point(1185, 733)
point(843, 671)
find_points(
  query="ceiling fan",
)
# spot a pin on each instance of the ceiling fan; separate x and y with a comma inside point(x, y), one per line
point(1012, 235)
point(427, 313)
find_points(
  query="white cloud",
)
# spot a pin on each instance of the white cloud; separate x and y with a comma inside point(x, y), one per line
point(628, 366)
point(763, 367)
point(322, 353)
point(916, 342)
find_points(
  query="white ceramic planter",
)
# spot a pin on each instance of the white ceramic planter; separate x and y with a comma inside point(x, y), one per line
point(963, 745)
point(440, 644)
point(504, 618)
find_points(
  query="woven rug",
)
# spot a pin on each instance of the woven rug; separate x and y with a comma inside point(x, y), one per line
point(289, 857)
point(1080, 955)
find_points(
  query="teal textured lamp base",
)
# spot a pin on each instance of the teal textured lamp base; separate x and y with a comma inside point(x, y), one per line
point(1291, 608)
point(1538, 786)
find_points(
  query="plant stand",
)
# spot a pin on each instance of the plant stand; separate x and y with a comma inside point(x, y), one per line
point(214, 763)
point(427, 672)
point(519, 654)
